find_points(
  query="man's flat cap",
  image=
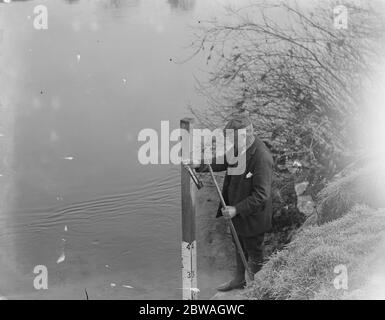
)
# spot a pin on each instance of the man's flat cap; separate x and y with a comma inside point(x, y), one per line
point(239, 121)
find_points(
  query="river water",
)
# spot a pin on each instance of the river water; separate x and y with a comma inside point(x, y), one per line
point(73, 98)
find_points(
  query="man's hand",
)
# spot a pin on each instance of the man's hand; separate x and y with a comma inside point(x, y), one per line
point(191, 164)
point(196, 165)
point(229, 212)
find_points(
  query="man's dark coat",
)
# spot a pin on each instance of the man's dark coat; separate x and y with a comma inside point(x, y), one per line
point(249, 192)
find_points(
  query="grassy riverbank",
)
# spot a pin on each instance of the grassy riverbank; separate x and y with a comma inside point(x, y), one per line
point(305, 268)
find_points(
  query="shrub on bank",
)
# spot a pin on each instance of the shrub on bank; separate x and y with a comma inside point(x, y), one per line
point(305, 268)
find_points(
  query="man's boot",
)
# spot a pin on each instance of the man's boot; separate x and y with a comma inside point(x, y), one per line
point(254, 266)
point(238, 282)
point(255, 261)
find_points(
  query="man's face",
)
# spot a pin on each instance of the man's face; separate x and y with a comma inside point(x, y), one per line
point(236, 150)
point(236, 139)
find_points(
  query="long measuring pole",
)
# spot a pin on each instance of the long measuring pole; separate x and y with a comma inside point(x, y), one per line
point(232, 228)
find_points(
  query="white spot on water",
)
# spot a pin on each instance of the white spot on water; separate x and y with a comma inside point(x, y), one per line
point(113, 285)
point(68, 158)
point(65, 228)
point(78, 57)
point(61, 258)
point(127, 286)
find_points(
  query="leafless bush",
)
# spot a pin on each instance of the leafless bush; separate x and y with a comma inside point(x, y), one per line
point(300, 78)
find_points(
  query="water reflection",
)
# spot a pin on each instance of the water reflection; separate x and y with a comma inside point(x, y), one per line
point(117, 4)
point(182, 4)
point(83, 90)
point(120, 4)
point(71, 1)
